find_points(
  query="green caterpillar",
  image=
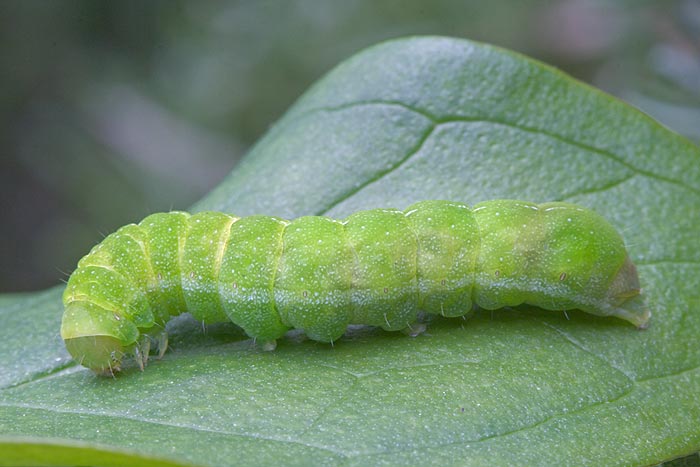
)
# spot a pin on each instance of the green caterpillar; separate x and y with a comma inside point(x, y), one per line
point(317, 274)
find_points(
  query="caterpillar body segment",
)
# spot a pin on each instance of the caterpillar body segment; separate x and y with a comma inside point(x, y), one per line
point(378, 267)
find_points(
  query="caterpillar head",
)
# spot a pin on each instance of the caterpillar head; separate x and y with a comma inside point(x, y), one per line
point(97, 338)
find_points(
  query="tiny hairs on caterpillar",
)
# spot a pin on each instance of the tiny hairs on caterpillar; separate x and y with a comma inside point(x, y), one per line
point(378, 267)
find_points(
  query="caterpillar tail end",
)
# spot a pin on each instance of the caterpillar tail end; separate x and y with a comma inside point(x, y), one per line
point(625, 294)
point(634, 310)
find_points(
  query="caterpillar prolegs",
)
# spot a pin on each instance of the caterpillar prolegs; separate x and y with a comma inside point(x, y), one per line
point(377, 267)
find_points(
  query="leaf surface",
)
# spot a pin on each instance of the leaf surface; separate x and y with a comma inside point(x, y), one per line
point(407, 120)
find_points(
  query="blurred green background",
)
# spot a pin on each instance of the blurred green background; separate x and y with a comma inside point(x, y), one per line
point(113, 110)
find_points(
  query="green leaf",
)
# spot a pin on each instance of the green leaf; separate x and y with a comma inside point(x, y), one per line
point(412, 119)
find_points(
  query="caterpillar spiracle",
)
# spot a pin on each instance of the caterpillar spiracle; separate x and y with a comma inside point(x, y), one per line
point(377, 267)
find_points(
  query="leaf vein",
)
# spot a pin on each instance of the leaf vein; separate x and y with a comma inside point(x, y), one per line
point(437, 121)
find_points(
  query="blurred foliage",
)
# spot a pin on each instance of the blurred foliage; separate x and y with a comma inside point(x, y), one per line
point(112, 110)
